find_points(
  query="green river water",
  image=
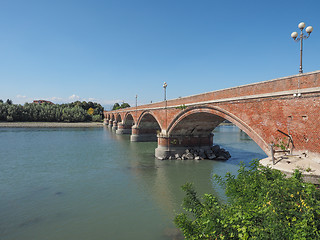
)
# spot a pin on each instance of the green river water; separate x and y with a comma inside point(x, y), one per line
point(90, 184)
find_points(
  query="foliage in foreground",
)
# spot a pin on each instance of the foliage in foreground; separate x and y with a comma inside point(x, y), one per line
point(263, 204)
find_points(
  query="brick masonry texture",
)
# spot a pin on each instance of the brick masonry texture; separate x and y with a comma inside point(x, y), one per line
point(260, 117)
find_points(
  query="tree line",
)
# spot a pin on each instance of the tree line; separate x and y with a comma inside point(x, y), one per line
point(117, 106)
point(46, 112)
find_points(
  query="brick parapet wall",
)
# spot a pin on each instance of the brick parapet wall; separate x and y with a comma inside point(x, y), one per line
point(295, 82)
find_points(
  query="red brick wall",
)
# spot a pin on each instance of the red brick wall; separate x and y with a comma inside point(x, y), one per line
point(261, 117)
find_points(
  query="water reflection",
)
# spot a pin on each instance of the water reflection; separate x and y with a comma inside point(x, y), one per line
point(163, 179)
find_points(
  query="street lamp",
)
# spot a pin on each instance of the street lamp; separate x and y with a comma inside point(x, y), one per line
point(165, 107)
point(165, 92)
point(136, 107)
point(295, 37)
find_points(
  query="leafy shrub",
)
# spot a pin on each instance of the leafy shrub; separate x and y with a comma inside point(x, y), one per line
point(262, 204)
point(96, 118)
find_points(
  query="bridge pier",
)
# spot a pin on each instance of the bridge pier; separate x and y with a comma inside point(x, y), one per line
point(143, 135)
point(110, 123)
point(105, 122)
point(115, 126)
point(171, 145)
point(123, 129)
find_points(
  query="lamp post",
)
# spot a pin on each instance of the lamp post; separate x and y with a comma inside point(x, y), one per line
point(136, 107)
point(165, 106)
point(295, 37)
point(165, 98)
point(165, 92)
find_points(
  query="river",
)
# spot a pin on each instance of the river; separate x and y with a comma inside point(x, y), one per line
point(81, 184)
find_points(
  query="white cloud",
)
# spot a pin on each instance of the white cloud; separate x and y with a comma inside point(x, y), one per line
point(74, 97)
point(52, 99)
point(108, 102)
point(21, 99)
point(21, 96)
point(57, 99)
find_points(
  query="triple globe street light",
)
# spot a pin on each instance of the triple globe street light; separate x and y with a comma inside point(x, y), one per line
point(295, 37)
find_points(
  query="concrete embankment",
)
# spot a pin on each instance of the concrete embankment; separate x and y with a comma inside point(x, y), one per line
point(307, 165)
point(49, 125)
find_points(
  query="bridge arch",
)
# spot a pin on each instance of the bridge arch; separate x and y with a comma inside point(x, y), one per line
point(202, 120)
point(124, 126)
point(128, 120)
point(146, 129)
point(118, 118)
point(148, 120)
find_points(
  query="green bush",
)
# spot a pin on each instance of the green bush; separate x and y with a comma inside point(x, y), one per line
point(262, 204)
point(96, 118)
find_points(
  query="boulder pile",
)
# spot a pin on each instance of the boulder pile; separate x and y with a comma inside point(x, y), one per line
point(213, 153)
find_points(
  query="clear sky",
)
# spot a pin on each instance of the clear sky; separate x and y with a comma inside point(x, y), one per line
point(110, 50)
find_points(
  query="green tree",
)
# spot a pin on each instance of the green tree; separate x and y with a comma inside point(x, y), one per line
point(96, 118)
point(118, 106)
point(115, 106)
point(124, 105)
point(3, 111)
point(262, 204)
point(14, 113)
point(72, 112)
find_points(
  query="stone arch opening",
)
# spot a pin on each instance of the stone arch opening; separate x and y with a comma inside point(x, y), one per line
point(193, 128)
point(128, 120)
point(147, 128)
point(125, 127)
point(118, 118)
point(196, 124)
point(148, 122)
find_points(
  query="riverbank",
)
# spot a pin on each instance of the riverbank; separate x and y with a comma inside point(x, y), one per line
point(50, 125)
point(308, 166)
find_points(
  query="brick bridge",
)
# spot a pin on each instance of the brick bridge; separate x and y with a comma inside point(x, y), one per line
point(289, 104)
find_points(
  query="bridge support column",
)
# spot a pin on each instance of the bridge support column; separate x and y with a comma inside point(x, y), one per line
point(171, 145)
point(110, 124)
point(115, 126)
point(143, 135)
point(122, 129)
point(105, 122)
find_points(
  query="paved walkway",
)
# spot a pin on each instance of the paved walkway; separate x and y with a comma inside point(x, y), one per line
point(288, 163)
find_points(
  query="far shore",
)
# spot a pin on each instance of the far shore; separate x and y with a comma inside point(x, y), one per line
point(50, 125)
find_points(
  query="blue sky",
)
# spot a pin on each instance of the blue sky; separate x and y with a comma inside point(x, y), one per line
point(110, 50)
